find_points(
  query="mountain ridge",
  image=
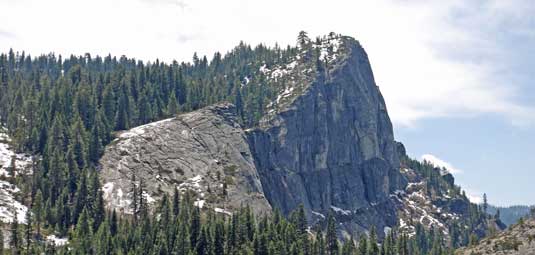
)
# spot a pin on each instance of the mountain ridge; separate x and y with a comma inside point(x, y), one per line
point(307, 126)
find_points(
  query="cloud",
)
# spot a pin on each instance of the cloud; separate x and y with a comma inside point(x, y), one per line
point(431, 59)
point(6, 34)
point(437, 162)
point(476, 199)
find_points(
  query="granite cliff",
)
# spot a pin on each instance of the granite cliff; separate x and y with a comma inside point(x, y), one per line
point(332, 148)
point(324, 140)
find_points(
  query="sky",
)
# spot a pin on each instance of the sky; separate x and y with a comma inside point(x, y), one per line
point(457, 76)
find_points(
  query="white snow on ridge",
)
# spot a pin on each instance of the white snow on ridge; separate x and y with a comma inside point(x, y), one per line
point(286, 93)
point(329, 48)
point(340, 210)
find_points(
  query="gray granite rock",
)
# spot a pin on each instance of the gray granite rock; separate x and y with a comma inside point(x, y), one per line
point(327, 143)
point(332, 149)
point(197, 151)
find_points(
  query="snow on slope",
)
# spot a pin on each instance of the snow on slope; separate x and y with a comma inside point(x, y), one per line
point(415, 206)
point(293, 77)
point(9, 207)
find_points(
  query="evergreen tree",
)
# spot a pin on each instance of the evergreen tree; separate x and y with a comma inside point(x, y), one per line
point(38, 211)
point(195, 227)
point(28, 230)
point(219, 238)
point(485, 203)
point(363, 245)
point(172, 106)
point(95, 145)
point(15, 241)
point(83, 234)
point(332, 239)
point(176, 203)
point(373, 248)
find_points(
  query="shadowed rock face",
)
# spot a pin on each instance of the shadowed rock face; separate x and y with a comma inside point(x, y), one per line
point(197, 151)
point(333, 149)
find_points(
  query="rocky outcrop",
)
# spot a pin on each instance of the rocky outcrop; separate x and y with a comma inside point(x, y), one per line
point(518, 240)
point(205, 151)
point(325, 141)
point(332, 148)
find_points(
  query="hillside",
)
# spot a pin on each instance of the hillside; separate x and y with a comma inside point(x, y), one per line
point(510, 214)
point(518, 239)
point(125, 150)
point(433, 202)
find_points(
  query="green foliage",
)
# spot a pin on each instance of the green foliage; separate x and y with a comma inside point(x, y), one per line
point(67, 110)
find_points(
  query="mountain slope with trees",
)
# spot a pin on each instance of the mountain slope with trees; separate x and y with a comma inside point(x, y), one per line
point(65, 111)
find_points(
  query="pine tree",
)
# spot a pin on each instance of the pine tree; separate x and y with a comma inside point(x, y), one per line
point(122, 119)
point(176, 203)
point(172, 105)
point(219, 238)
point(99, 213)
point(12, 170)
point(77, 142)
point(1, 241)
point(183, 242)
point(363, 245)
point(373, 248)
point(195, 227)
point(485, 203)
point(320, 244)
point(332, 239)
point(302, 39)
point(81, 196)
point(113, 223)
point(102, 240)
point(202, 244)
point(15, 242)
point(38, 211)
point(95, 145)
point(83, 233)
point(28, 230)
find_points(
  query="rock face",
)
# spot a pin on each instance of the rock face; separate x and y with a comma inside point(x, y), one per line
point(197, 151)
point(332, 149)
point(326, 142)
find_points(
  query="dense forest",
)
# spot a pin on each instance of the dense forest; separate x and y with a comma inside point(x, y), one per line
point(67, 110)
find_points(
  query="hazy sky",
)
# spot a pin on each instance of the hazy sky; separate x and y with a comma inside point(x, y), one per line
point(457, 76)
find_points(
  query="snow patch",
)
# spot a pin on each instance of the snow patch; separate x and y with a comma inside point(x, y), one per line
point(199, 203)
point(221, 210)
point(57, 241)
point(318, 214)
point(340, 210)
point(9, 207)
